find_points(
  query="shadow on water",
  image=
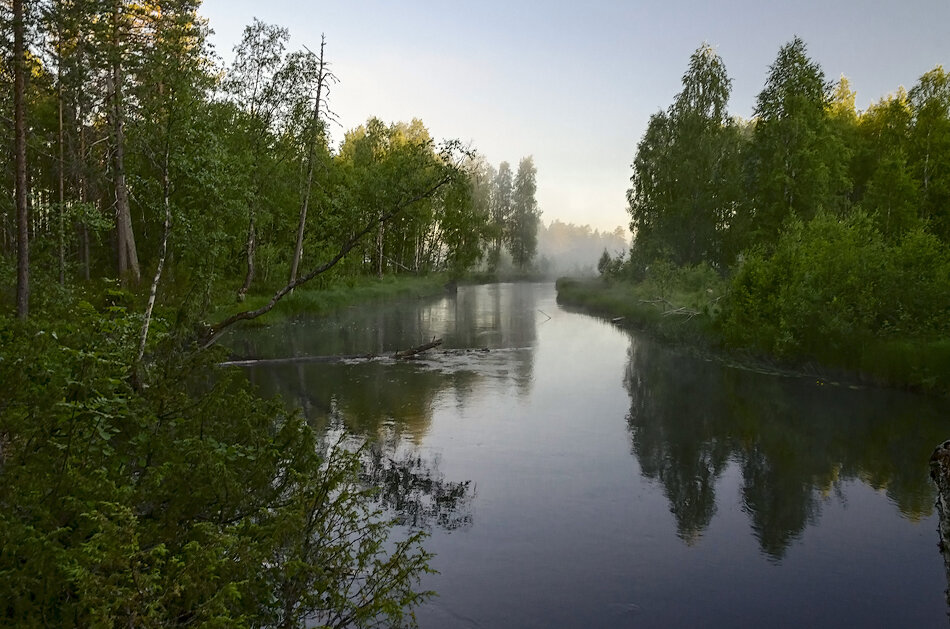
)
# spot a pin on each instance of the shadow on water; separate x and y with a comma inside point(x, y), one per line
point(794, 441)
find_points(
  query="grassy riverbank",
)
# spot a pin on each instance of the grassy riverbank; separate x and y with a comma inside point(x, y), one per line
point(691, 313)
point(317, 299)
point(680, 316)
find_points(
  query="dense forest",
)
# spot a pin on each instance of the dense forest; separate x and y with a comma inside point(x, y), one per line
point(830, 226)
point(156, 199)
point(131, 122)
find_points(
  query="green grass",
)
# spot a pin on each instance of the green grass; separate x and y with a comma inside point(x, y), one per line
point(686, 313)
point(308, 300)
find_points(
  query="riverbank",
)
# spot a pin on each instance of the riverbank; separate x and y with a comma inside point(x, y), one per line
point(684, 311)
point(315, 300)
point(689, 316)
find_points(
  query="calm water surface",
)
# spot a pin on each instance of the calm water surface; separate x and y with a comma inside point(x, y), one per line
point(578, 475)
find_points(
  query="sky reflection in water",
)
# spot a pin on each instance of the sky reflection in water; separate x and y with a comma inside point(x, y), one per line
point(581, 476)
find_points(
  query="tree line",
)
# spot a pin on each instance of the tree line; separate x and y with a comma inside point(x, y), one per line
point(139, 152)
point(140, 484)
point(832, 224)
point(513, 214)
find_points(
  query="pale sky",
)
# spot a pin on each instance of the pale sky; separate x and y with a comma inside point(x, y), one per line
point(574, 83)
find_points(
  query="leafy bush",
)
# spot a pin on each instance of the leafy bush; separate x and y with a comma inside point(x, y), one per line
point(833, 285)
point(182, 500)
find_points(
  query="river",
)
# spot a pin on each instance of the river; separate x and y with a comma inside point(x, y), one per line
point(579, 475)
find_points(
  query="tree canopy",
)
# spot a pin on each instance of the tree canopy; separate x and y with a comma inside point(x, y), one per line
point(830, 223)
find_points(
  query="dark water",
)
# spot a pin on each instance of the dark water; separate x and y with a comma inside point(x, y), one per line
point(576, 475)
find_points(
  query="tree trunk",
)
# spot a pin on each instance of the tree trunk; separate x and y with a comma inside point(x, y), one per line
point(163, 251)
point(251, 248)
point(314, 122)
point(410, 353)
point(128, 256)
point(940, 474)
point(83, 198)
point(19, 123)
point(380, 234)
point(85, 252)
point(62, 168)
point(213, 332)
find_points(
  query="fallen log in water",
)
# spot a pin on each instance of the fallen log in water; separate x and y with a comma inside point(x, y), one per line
point(409, 353)
point(341, 358)
point(940, 474)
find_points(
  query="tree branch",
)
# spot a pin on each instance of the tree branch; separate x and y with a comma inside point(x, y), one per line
point(214, 332)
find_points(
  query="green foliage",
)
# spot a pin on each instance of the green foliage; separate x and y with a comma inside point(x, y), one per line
point(386, 167)
point(500, 212)
point(833, 286)
point(341, 292)
point(185, 500)
point(676, 304)
point(882, 170)
point(159, 490)
point(686, 170)
point(609, 266)
point(833, 223)
point(930, 148)
point(798, 164)
point(604, 263)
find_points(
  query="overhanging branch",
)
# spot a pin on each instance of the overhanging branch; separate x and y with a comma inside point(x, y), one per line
point(214, 332)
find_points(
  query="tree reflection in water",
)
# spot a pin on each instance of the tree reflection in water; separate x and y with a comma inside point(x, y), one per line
point(676, 436)
point(795, 441)
point(411, 487)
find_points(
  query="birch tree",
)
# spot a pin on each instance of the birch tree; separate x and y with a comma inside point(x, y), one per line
point(522, 232)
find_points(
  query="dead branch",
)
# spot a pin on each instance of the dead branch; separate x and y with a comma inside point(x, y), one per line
point(689, 313)
point(669, 309)
point(341, 358)
point(251, 362)
point(658, 301)
point(411, 353)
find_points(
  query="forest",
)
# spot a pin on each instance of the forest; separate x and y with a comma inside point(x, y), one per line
point(157, 198)
point(819, 232)
point(132, 120)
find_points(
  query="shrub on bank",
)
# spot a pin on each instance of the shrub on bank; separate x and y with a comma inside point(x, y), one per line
point(832, 286)
point(831, 291)
point(169, 494)
point(835, 291)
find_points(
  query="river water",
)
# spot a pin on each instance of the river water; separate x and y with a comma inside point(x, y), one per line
point(580, 475)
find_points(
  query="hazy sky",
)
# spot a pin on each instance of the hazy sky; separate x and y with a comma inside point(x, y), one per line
point(574, 83)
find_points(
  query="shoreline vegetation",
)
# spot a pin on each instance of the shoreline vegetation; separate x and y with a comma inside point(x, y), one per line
point(813, 236)
point(318, 300)
point(360, 290)
point(683, 315)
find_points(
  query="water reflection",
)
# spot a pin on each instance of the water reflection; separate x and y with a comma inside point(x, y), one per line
point(749, 493)
point(369, 394)
point(498, 316)
point(793, 441)
point(488, 336)
point(412, 488)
